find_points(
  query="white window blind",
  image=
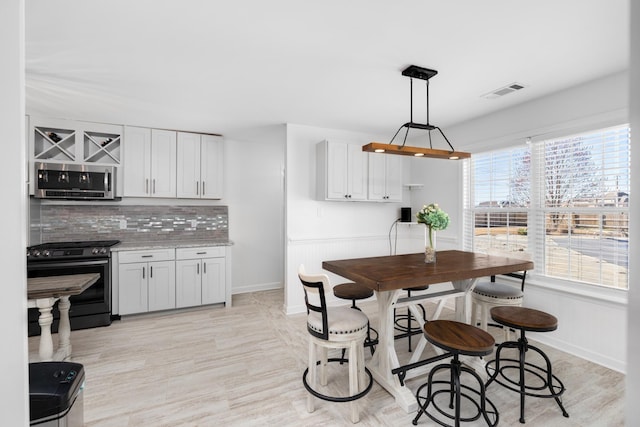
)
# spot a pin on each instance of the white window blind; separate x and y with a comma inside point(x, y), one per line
point(564, 201)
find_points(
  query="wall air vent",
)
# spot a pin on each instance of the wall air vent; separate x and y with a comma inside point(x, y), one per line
point(503, 91)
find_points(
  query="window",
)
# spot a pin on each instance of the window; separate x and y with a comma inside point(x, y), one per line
point(564, 201)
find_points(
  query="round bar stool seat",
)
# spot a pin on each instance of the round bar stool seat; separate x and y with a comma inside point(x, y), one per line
point(541, 377)
point(402, 322)
point(352, 291)
point(458, 339)
point(524, 318)
point(355, 291)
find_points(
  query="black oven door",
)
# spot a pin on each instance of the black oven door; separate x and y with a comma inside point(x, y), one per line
point(91, 308)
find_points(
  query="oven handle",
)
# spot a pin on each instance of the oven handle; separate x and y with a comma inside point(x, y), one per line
point(77, 263)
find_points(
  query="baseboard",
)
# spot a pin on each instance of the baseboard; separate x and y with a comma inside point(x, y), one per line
point(583, 353)
point(256, 288)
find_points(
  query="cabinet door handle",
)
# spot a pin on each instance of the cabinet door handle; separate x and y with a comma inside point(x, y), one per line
point(143, 272)
point(151, 272)
point(147, 256)
point(204, 265)
point(201, 253)
point(203, 188)
point(197, 268)
point(197, 188)
point(146, 185)
point(154, 186)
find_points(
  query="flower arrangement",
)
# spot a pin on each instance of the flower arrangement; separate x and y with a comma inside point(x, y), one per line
point(435, 219)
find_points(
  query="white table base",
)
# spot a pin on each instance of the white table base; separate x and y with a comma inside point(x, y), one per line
point(45, 320)
point(385, 358)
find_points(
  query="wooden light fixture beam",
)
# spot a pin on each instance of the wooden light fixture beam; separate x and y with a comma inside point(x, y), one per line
point(407, 150)
point(413, 71)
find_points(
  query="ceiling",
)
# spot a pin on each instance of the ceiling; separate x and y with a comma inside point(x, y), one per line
point(228, 66)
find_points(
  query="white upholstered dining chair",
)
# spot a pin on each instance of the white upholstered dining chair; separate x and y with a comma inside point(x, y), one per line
point(333, 328)
point(491, 293)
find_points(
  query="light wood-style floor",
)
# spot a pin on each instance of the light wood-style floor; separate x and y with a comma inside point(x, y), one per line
point(242, 366)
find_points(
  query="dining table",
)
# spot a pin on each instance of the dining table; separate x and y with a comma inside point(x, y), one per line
point(452, 276)
point(43, 293)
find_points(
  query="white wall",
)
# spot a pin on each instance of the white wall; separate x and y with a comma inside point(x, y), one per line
point(254, 192)
point(13, 320)
point(598, 103)
point(590, 326)
point(633, 336)
point(316, 230)
point(441, 181)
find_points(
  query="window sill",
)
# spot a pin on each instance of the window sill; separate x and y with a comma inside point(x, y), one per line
point(584, 290)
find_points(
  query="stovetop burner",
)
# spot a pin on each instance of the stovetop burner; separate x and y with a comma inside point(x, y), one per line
point(71, 250)
point(81, 244)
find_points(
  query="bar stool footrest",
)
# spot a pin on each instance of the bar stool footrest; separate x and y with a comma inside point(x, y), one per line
point(337, 398)
point(475, 397)
point(535, 370)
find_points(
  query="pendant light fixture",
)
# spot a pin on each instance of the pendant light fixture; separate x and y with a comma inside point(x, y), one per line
point(413, 71)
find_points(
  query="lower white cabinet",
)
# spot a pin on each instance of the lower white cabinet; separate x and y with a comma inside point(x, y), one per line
point(146, 281)
point(167, 278)
point(200, 276)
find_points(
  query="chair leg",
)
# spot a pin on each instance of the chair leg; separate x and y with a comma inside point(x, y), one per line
point(312, 374)
point(361, 373)
point(354, 384)
point(484, 314)
point(323, 366)
point(474, 313)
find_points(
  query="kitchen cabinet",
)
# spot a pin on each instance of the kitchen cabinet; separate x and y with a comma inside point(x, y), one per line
point(385, 178)
point(341, 171)
point(200, 276)
point(146, 281)
point(199, 166)
point(160, 278)
point(149, 158)
point(73, 142)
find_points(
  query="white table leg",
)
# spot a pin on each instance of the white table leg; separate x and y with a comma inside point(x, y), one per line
point(385, 358)
point(45, 320)
point(64, 330)
point(463, 304)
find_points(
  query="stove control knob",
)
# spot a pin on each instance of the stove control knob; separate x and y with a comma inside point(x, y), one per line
point(95, 251)
point(46, 253)
point(35, 253)
point(103, 250)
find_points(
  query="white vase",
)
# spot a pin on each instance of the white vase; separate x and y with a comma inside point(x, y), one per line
point(429, 245)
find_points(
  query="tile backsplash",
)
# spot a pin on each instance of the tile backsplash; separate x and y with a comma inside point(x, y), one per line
point(56, 223)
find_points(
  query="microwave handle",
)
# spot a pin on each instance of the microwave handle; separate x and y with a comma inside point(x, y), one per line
point(107, 180)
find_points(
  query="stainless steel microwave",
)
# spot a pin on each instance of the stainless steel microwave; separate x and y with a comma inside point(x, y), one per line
point(74, 181)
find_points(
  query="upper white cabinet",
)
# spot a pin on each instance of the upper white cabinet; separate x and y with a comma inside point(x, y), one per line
point(200, 166)
point(385, 178)
point(149, 162)
point(341, 171)
point(68, 141)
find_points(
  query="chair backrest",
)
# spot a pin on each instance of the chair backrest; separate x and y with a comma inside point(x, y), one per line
point(522, 275)
point(313, 285)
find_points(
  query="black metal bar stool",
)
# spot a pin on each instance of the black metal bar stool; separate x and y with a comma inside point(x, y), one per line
point(525, 319)
point(458, 339)
point(403, 322)
point(355, 291)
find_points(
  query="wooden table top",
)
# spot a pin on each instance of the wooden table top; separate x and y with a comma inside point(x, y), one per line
point(57, 286)
point(392, 272)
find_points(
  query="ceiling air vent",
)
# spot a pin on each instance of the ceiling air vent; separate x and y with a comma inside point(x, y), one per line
point(503, 91)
